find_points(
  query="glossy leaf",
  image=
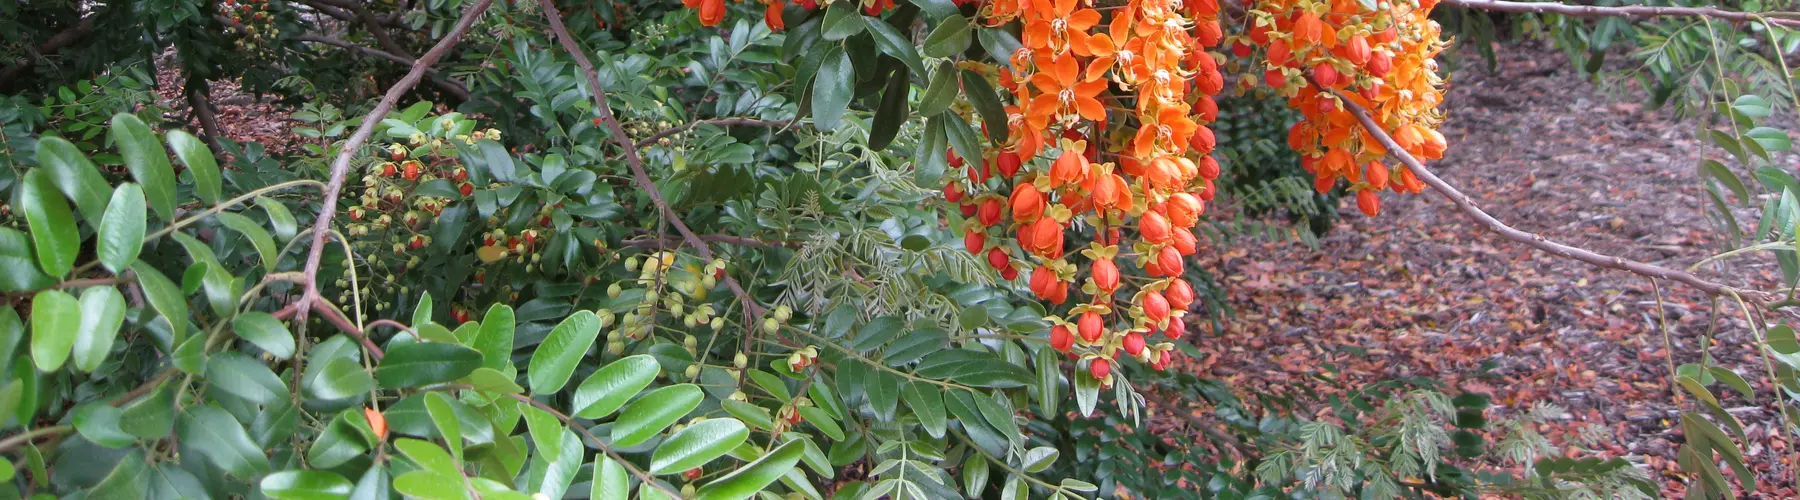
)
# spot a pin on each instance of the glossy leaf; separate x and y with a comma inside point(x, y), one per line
point(19, 269)
point(424, 363)
point(608, 388)
point(495, 339)
point(259, 237)
point(75, 176)
point(555, 359)
point(754, 476)
point(654, 412)
point(121, 230)
point(268, 333)
point(164, 296)
point(148, 163)
point(199, 161)
point(832, 89)
point(102, 313)
point(305, 485)
point(219, 437)
point(47, 214)
point(697, 444)
point(55, 324)
point(610, 481)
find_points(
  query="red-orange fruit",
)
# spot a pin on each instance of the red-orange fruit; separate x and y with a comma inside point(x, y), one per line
point(1179, 294)
point(1380, 63)
point(1010, 273)
point(951, 158)
point(1134, 344)
point(1325, 75)
point(1156, 307)
point(1009, 163)
point(1027, 203)
point(1368, 202)
point(1184, 242)
point(974, 241)
point(1184, 209)
point(1153, 227)
point(1176, 328)
point(990, 212)
point(952, 192)
point(1169, 260)
point(997, 258)
point(1203, 140)
point(1377, 175)
point(1100, 368)
point(1045, 237)
point(1043, 281)
point(968, 210)
point(1090, 327)
point(1061, 339)
point(1357, 50)
point(1106, 275)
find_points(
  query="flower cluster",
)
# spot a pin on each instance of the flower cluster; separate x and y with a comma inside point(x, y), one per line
point(712, 12)
point(258, 24)
point(1380, 59)
point(1138, 89)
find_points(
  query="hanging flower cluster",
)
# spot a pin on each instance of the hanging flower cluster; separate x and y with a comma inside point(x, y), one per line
point(1379, 58)
point(1136, 88)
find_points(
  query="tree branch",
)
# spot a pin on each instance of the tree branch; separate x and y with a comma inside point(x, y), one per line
point(723, 122)
point(632, 158)
point(340, 167)
point(742, 241)
point(59, 41)
point(1535, 240)
point(1643, 11)
point(455, 88)
point(209, 120)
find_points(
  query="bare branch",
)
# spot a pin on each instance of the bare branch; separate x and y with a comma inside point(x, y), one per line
point(1535, 240)
point(1643, 11)
point(723, 122)
point(632, 158)
point(340, 167)
point(742, 241)
point(59, 41)
point(203, 109)
point(455, 88)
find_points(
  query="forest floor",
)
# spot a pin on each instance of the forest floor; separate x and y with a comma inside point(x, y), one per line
point(1424, 290)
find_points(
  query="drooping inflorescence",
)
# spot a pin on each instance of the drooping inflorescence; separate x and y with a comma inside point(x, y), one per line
point(1108, 147)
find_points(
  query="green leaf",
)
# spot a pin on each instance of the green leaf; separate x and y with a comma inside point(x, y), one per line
point(266, 332)
point(927, 403)
point(490, 380)
point(430, 485)
point(340, 442)
point(217, 436)
point(884, 393)
point(75, 176)
point(999, 414)
point(148, 163)
point(421, 315)
point(697, 444)
point(754, 476)
point(1725, 177)
point(654, 412)
point(612, 385)
point(340, 377)
point(129, 479)
point(102, 313)
point(1733, 380)
point(771, 384)
point(423, 363)
point(832, 88)
point(55, 323)
point(164, 296)
point(975, 474)
point(555, 359)
point(892, 110)
point(194, 154)
point(18, 266)
point(428, 455)
point(752, 415)
point(305, 485)
point(951, 37)
point(877, 333)
point(239, 375)
point(610, 480)
point(946, 81)
point(1049, 372)
point(1782, 340)
point(279, 218)
point(259, 237)
point(1770, 139)
point(121, 231)
point(987, 104)
point(892, 43)
point(448, 426)
point(495, 341)
point(152, 416)
point(99, 423)
point(374, 484)
point(963, 139)
point(1039, 458)
point(826, 424)
point(1087, 392)
point(841, 21)
point(52, 226)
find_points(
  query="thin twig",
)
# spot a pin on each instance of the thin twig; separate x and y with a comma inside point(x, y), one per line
point(455, 88)
point(340, 168)
point(742, 241)
point(1532, 239)
point(632, 159)
point(1620, 11)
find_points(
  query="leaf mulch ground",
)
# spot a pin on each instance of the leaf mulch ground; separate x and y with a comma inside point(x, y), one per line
point(1424, 290)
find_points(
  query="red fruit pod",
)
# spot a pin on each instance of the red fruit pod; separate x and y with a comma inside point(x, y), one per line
point(1203, 141)
point(1153, 227)
point(1179, 294)
point(1008, 163)
point(1275, 78)
point(1027, 203)
point(974, 241)
point(1163, 359)
point(466, 189)
point(1106, 275)
point(1156, 307)
point(1208, 167)
point(1357, 50)
point(1278, 53)
point(1325, 75)
point(1184, 242)
point(1380, 63)
point(1371, 91)
point(1377, 175)
point(1368, 202)
point(1206, 109)
point(1059, 294)
point(968, 210)
point(1241, 49)
point(1010, 273)
point(693, 473)
point(1169, 261)
point(1134, 344)
point(990, 212)
point(997, 258)
point(1100, 368)
point(1090, 326)
point(952, 192)
point(1043, 281)
point(1061, 339)
point(951, 157)
point(1176, 328)
point(1207, 191)
point(1184, 210)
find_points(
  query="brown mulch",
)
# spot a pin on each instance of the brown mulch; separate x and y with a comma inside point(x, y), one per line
point(1424, 290)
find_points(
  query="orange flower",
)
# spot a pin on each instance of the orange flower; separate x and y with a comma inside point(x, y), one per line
point(1061, 94)
point(1170, 133)
point(1071, 167)
point(772, 15)
point(1057, 26)
point(1027, 203)
point(1111, 191)
point(377, 422)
